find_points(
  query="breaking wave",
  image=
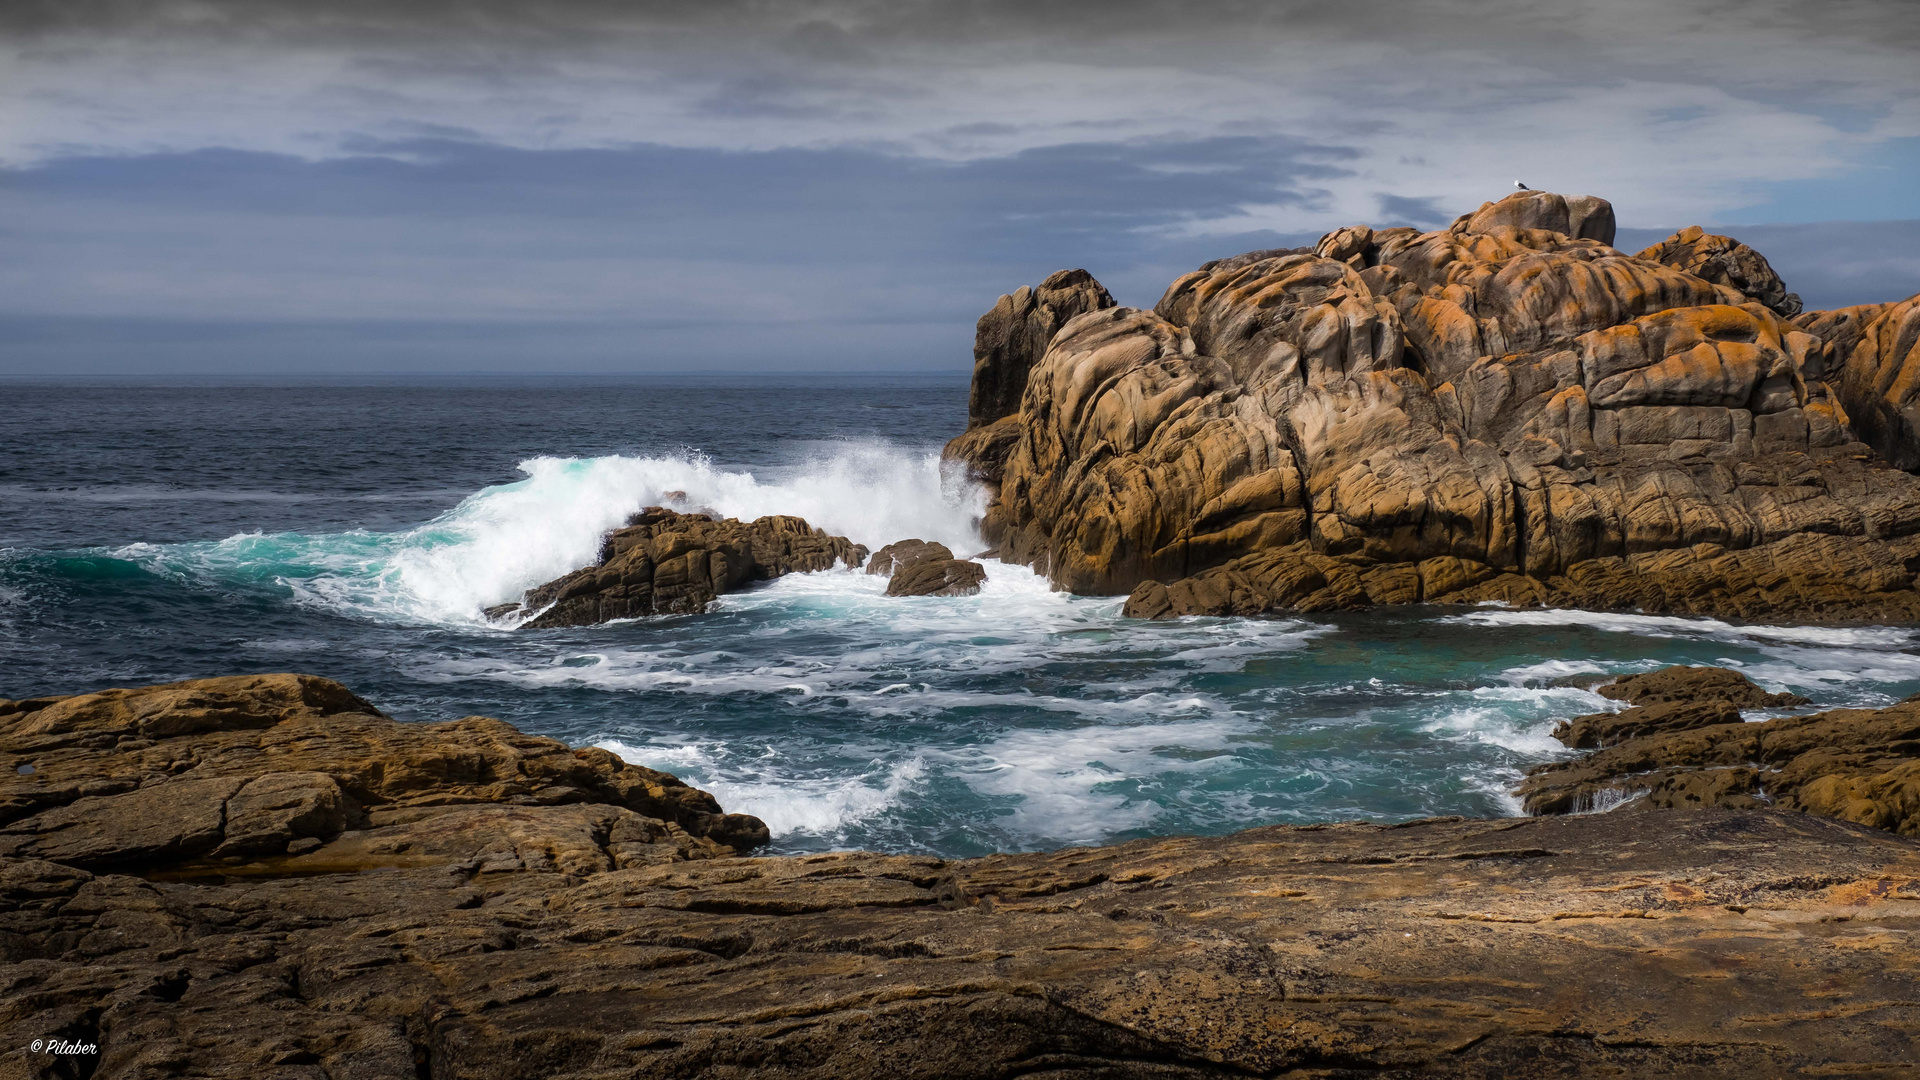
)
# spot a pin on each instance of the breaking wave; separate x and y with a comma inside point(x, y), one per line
point(502, 540)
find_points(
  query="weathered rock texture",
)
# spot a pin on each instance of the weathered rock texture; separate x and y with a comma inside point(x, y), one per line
point(1007, 342)
point(294, 774)
point(1507, 409)
point(937, 577)
point(1686, 746)
point(1725, 261)
point(904, 553)
point(1671, 699)
point(926, 568)
point(1880, 382)
point(664, 562)
point(1692, 945)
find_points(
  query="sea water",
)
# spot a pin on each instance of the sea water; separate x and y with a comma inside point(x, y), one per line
point(152, 533)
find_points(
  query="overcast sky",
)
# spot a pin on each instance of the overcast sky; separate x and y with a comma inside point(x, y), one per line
point(496, 185)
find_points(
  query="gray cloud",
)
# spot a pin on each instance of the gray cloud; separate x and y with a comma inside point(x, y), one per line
point(835, 183)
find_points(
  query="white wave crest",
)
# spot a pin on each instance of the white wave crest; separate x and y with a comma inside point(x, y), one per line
point(819, 806)
point(502, 540)
point(1681, 626)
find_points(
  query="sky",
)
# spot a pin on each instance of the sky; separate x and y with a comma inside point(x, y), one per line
point(359, 186)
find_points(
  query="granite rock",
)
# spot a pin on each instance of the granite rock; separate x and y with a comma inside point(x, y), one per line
point(503, 911)
point(1507, 409)
point(1685, 750)
point(902, 554)
point(937, 577)
point(665, 562)
point(1726, 261)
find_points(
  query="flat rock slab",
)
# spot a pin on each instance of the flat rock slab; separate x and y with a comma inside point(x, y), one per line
point(1700, 944)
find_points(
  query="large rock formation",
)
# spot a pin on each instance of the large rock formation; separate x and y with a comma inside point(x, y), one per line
point(1507, 409)
point(1687, 746)
point(664, 562)
point(504, 913)
point(1008, 341)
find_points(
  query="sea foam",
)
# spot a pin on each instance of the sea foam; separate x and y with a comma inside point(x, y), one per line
point(502, 540)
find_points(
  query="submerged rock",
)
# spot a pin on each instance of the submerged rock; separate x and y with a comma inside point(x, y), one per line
point(1505, 410)
point(498, 906)
point(1685, 744)
point(664, 562)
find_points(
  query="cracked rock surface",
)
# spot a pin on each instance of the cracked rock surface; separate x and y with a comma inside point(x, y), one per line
point(1508, 409)
point(487, 919)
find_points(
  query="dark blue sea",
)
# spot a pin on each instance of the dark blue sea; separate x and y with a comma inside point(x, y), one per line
point(179, 530)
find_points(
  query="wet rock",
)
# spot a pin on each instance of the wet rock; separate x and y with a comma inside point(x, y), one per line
point(902, 554)
point(1675, 751)
point(926, 568)
point(937, 577)
point(1505, 410)
point(1605, 729)
point(1671, 699)
point(1725, 261)
point(1682, 684)
point(665, 562)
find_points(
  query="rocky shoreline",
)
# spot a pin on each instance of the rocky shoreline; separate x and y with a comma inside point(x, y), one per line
point(1506, 410)
point(263, 875)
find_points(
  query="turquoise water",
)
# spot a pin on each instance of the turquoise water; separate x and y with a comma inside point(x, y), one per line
point(190, 531)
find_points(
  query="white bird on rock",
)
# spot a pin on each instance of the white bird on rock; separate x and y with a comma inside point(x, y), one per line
point(1518, 186)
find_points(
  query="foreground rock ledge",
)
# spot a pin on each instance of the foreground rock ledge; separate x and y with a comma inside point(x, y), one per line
point(1681, 944)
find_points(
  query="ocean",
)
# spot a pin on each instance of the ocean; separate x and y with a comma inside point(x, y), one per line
point(189, 529)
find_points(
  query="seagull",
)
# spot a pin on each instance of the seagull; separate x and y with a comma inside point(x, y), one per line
point(1518, 186)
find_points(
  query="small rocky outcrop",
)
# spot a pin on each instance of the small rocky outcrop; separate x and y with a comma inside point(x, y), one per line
point(669, 563)
point(1507, 410)
point(1671, 699)
point(904, 553)
point(938, 577)
point(504, 911)
point(1685, 744)
point(926, 568)
point(1725, 261)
